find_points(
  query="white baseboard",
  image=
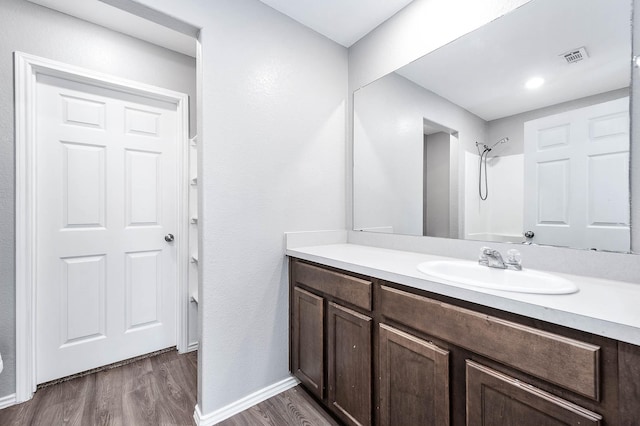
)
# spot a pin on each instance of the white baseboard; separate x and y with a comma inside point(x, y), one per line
point(244, 403)
point(8, 401)
point(193, 346)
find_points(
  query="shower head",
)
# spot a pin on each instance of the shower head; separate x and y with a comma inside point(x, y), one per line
point(503, 140)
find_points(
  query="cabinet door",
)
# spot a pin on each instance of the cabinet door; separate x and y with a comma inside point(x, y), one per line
point(495, 399)
point(414, 380)
point(307, 361)
point(349, 359)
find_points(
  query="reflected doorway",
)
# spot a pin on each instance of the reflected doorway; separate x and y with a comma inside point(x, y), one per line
point(440, 181)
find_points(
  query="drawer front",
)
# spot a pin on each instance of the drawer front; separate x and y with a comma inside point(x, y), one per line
point(344, 287)
point(566, 362)
point(494, 398)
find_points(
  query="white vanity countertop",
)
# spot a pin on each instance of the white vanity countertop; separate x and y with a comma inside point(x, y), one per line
point(604, 307)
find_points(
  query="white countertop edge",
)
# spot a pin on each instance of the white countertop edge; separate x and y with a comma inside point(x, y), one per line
point(625, 330)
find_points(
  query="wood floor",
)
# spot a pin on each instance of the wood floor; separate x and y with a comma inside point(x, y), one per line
point(290, 408)
point(158, 391)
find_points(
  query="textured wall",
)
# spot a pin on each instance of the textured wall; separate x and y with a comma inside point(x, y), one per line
point(271, 160)
point(40, 31)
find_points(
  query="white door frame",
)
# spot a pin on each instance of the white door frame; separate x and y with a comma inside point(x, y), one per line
point(27, 68)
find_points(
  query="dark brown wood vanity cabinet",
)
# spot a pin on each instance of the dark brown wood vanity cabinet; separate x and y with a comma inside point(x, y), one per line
point(414, 380)
point(331, 337)
point(438, 361)
point(494, 398)
point(505, 373)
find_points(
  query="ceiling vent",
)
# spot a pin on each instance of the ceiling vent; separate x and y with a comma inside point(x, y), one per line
point(575, 55)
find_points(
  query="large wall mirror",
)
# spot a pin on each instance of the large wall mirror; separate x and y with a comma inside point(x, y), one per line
point(516, 132)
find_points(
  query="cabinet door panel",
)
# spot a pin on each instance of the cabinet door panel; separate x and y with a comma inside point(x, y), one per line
point(414, 380)
point(308, 347)
point(349, 359)
point(495, 399)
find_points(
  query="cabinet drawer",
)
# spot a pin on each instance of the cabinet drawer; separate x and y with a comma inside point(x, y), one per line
point(566, 362)
point(344, 287)
point(494, 398)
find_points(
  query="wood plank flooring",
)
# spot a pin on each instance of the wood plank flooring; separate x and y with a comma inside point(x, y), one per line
point(159, 390)
point(294, 407)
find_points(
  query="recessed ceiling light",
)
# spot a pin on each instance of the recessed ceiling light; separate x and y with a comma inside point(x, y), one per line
point(534, 83)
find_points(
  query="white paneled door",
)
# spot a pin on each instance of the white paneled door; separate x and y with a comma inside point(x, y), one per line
point(106, 264)
point(577, 177)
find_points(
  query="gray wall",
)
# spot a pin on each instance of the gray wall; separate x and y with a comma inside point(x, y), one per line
point(437, 182)
point(40, 31)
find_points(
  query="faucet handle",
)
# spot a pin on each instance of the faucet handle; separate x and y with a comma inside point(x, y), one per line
point(485, 251)
point(514, 255)
point(514, 258)
point(482, 259)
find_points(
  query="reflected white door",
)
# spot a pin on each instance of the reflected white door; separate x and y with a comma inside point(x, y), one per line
point(577, 177)
point(107, 180)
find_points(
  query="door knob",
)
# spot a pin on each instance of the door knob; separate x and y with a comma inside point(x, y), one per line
point(168, 238)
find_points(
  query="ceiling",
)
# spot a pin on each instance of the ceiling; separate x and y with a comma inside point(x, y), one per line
point(107, 16)
point(343, 21)
point(485, 72)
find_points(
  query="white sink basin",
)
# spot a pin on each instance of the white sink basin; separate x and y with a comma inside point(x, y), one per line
point(472, 274)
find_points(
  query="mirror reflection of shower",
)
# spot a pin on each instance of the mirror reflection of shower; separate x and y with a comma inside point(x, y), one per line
point(483, 160)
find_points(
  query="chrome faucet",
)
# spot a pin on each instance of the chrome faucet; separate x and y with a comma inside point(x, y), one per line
point(493, 259)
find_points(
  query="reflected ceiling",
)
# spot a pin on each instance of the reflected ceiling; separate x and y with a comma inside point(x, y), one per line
point(488, 73)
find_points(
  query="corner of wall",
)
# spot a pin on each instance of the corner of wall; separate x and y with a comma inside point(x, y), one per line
point(215, 417)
